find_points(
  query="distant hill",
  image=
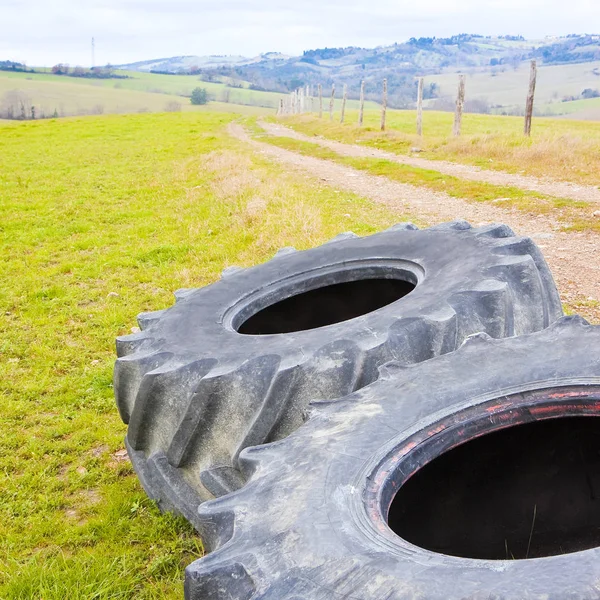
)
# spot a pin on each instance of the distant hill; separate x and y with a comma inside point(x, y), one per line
point(186, 64)
point(400, 63)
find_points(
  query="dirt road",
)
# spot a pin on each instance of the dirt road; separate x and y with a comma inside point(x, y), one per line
point(574, 257)
point(550, 187)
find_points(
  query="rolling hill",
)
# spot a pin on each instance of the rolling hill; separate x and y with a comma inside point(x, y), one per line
point(140, 92)
point(495, 65)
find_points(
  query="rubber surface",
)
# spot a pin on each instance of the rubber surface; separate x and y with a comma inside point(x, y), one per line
point(196, 392)
point(311, 522)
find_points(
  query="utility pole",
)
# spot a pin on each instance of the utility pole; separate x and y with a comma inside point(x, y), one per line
point(93, 53)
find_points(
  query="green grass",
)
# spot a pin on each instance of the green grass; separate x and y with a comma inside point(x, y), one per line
point(102, 218)
point(151, 83)
point(142, 92)
point(70, 96)
point(471, 191)
point(558, 148)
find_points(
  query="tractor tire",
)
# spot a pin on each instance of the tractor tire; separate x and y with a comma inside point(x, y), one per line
point(471, 476)
point(235, 364)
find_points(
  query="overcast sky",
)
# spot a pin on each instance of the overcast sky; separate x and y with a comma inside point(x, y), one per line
point(43, 33)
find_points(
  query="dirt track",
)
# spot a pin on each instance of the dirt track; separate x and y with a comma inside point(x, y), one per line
point(557, 189)
point(574, 257)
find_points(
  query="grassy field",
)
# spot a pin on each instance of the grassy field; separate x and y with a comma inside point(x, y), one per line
point(70, 96)
point(176, 85)
point(559, 148)
point(144, 92)
point(508, 87)
point(102, 218)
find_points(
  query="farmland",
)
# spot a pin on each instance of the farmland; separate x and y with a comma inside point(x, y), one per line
point(144, 92)
point(506, 86)
point(103, 217)
point(141, 92)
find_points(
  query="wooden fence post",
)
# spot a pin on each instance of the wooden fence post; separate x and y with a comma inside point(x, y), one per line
point(530, 97)
point(331, 101)
point(320, 101)
point(460, 102)
point(361, 110)
point(420, 107)
point(302, 100)
point(280, 107)
point(384, 105)
point(344, 98)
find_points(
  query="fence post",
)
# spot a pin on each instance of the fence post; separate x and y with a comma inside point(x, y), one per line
point(530, 97)
point(361, 110)
point(384, 105)
point(331, 101)
point(460, 102)
point(320, 101)
point(280, 107)
point(420, 107)
point(344, 98)
point(302, 100)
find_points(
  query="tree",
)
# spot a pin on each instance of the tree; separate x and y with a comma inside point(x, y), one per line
point(199, 96)
point(590, 93)
point(60, 69)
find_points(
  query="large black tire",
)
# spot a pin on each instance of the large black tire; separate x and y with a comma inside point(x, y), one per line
point(196, 392)
point(311, 523)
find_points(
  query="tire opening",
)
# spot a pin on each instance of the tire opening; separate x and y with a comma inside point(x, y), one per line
point(326, 305)
point(527, 491)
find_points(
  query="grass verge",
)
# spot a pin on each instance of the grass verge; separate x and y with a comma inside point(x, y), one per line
point(102, 218)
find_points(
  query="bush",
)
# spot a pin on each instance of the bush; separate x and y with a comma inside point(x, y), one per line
point(199, 96)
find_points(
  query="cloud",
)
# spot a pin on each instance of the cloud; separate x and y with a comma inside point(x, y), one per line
point(43, 33)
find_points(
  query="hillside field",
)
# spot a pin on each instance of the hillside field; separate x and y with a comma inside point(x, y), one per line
point(507, 87)
point(104, 217)
point(144, 92)
point(68, 99)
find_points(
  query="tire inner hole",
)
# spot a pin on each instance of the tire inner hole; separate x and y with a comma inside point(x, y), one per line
point(325, 306)
point(529, 491)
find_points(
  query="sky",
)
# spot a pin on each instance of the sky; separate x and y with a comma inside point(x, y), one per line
point(42, 33)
